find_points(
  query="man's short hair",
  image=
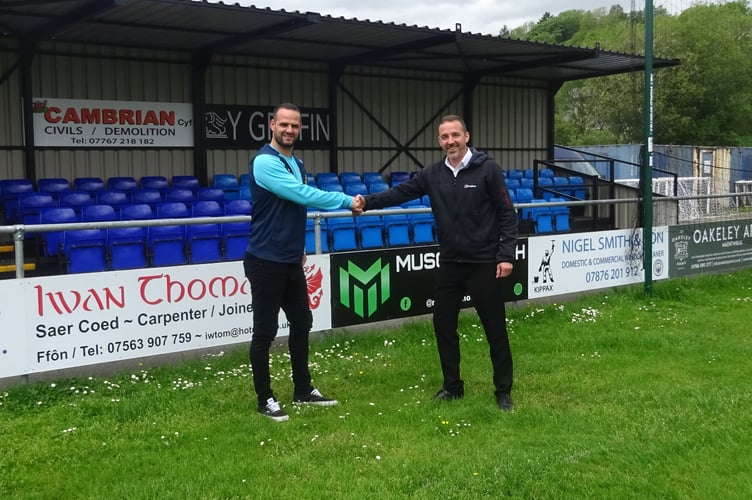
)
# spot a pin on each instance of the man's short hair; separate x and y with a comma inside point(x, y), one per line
point(285, 105)
point(454, 118)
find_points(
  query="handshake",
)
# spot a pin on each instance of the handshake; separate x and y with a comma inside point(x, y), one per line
point(358, 205)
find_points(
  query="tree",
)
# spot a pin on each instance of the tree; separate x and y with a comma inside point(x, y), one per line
point(706, 100)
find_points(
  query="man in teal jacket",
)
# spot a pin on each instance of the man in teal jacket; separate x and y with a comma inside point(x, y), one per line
point(275, 256)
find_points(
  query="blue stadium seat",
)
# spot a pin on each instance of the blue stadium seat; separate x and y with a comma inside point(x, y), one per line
point(349, 178)
point(524, 195)
point(414, 203)
point(513, 184)
point(545, 172)
point(54, 186)
point(222, 181)
point(137, 211)
point(53, 240)
point(213, 194)
point(11, 191)
point(179, 194)
point(526, 182)
point(235, 234)
point(157, 182)
point(422, 227)
point(166, 244)
point(371, 177)
point(116, 199)
point(127, 247)
point(311, 236)
point(546, 184)
point(528, 173)
point(543, 218)
point(577, 187)
point(229, 185)
point(398, 177)
point(84, 250)
point(76, 200)
point(397, 228)
point(343, 233)
point(371, 231)
point(122, 183)
point(31, 206)
point(561, 184)
point(98, 213)
point(355, 188)
point(189, 182)
point(245, 179)
point(515, 173)
point(326, 178)
point(151, 197)
point(377, 187)
point(204, 240)
point(561, 216)
point(331, 187)
point(88, 184)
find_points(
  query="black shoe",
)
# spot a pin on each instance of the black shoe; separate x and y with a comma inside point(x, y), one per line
point(314, 398)
point(273, 410)
point(505, 402)
point(445, 395)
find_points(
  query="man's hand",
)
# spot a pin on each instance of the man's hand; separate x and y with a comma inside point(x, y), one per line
point(503, 269)
point(359, 203)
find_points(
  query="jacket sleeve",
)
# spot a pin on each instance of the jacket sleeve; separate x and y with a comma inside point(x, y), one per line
point(270, 173)
point(506, 215)
point(406, 191)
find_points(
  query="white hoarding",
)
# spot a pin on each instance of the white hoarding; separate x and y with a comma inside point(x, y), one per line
point(575, 262)
point(85, 123)
point(84, 319)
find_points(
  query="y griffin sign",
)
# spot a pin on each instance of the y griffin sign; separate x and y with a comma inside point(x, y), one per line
point(79, 123)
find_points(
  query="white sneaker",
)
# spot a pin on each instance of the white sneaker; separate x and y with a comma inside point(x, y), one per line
point(273, 410)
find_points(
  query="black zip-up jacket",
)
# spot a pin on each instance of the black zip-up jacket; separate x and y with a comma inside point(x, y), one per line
point(475, 218)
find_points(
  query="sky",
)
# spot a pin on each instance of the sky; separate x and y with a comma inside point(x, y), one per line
point(476, 16)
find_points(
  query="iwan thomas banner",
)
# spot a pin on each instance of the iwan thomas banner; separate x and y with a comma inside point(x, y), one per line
point(84, 123)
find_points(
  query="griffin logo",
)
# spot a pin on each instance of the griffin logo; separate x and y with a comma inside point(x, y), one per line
point(314, 278)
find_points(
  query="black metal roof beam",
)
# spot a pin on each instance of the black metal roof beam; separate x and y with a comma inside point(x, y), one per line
point(385, 52)
point(265, 32)
point(554, 60)
point(75, 16)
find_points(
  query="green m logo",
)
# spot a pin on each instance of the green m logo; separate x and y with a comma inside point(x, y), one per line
point(359, 289)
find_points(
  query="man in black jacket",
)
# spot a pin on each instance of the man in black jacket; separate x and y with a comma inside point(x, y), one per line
point(477, 233)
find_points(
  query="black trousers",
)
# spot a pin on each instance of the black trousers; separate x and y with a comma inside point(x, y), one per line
point(276, 286)
point(453, 282)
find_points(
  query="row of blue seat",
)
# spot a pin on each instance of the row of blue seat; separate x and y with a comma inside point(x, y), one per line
point(134, 247)
point(27, 208)
point(572, 186)
point(372, 231)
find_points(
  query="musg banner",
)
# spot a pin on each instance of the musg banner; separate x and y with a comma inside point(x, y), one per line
point(84, 123)
point(379, 285)
point(76, 320)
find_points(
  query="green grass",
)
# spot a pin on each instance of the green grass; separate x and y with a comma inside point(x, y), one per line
point(617, 395)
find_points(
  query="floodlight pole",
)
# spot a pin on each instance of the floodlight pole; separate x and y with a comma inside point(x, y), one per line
point(646, 173)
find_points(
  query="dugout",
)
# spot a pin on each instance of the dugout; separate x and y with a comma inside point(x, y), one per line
point(373, 91)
